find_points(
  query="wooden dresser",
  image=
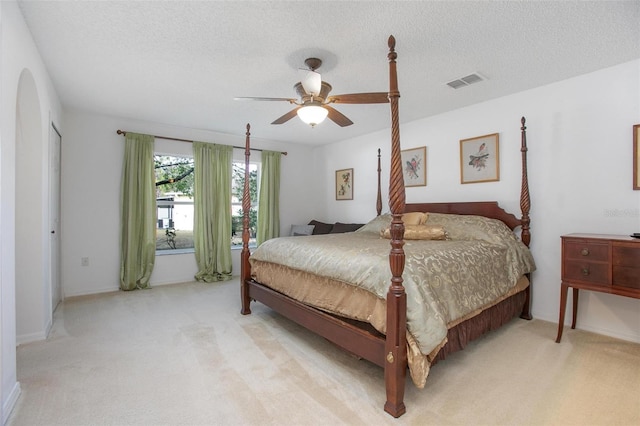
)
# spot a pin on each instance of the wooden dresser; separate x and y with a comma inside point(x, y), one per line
point(598, 262)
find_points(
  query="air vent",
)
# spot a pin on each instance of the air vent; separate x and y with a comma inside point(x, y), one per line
point(465, 81)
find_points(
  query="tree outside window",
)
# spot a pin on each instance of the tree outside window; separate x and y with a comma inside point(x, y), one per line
point(174, 198)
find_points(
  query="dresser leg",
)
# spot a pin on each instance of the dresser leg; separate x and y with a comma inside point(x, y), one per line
point(563, 306)
point(575, 308)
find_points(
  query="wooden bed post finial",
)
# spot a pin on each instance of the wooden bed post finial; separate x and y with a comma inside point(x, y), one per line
point(396, 338)
point(525, 206)
point(245, 267)
point(525, 199)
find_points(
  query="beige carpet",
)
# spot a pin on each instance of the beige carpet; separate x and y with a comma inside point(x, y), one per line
point(183, 355)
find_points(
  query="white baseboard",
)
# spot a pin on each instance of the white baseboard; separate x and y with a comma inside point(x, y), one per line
point(630, 337)
point(32, 337)
point(68, 294)
point(9, 404)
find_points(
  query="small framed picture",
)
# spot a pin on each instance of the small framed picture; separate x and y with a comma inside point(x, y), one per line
point(344, 184)
point(480, 159)
point(414, 166)
point(636, 156)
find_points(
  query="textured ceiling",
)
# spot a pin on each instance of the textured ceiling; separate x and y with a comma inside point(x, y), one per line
point(182, 62)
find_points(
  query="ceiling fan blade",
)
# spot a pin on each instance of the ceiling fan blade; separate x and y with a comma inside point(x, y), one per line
point(337, 117)
point(290, 100)
point(360, 98)
point(311, 81)
point(288, 116)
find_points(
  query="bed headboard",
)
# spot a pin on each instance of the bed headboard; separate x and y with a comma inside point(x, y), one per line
point(481, 208)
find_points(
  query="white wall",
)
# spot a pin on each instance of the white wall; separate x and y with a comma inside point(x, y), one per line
point(92, 155)
point(579, 169)
point(18, 54)
point(580, 175)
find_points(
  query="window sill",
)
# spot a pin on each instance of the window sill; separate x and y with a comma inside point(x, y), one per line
point(190, 250)
point(251, 246)
point(174, 251)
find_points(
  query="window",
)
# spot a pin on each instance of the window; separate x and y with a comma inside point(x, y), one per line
point(174, 199)
point(237, 189)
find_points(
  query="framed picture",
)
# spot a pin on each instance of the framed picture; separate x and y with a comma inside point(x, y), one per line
point(344, 184)
point(414, 166)
point(636, 156)
point(480, 159)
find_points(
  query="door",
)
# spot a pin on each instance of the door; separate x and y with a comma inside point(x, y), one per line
point(54, 215)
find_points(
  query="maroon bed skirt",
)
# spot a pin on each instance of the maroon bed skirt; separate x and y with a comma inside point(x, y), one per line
point(489, 319)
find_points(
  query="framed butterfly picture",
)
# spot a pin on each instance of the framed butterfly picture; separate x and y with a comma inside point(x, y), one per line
point(414, 166)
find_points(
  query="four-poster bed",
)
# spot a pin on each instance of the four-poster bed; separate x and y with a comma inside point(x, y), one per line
point(381, 332)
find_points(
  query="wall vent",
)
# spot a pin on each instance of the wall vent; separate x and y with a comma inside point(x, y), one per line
point(465, 81)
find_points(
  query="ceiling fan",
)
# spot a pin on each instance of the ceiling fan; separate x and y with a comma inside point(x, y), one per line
point(314, 103)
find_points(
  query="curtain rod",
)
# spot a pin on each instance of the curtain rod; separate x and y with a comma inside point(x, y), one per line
point(124, 133)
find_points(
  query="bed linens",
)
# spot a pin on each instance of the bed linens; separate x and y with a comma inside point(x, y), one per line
point(444, 280)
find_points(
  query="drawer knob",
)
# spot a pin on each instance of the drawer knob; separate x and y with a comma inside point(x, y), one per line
point(585, 252)
point(585, 271)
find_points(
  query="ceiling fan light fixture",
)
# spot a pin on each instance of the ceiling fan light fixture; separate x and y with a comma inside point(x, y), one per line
point(312, 114)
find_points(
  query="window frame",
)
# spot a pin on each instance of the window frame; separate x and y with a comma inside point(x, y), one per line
point(173, 203)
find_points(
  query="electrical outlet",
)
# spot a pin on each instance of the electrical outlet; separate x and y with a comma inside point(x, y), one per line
point(84, 261)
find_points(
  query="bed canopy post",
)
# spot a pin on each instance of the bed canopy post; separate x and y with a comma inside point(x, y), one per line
point(379, 199)
point(525, 206)
point(395, 346)
point(245, 267)
point(525, 201)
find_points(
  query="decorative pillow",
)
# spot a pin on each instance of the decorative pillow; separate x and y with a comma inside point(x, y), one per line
point(339, 228)
point(471, 227)
point(301, 230)
point(414, 218)
point(377, 224)
point(321, 227)
point(419, 232)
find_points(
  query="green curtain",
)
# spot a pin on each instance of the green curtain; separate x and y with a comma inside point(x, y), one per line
point(269, 198)
point(212, 211)
point(138, 212)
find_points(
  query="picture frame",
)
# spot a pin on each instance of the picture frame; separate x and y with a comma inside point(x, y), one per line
point(414, 166)
point(636, 157)
point(480, 159)
point(344, 184)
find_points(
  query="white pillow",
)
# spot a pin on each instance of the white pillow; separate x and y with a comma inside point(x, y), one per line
point(297, 230)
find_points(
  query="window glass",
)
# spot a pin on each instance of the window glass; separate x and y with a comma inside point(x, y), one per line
point(237, 188)
point(174, 199)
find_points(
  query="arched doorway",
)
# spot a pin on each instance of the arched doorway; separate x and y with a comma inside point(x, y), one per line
point(32, 292)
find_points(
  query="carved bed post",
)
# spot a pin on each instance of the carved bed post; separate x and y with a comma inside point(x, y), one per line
point(395, 345)
point(379, 199)
point(245, 267)
point(525, 200)
point(525, 206)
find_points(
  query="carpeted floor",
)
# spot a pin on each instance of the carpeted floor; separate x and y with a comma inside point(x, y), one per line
point(183, 355)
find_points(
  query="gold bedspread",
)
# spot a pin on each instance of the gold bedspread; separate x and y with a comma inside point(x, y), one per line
point(445, 281)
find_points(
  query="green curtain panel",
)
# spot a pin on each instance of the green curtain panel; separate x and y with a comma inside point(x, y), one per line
point(138, 212)
point(212, 211)
point(269, 199)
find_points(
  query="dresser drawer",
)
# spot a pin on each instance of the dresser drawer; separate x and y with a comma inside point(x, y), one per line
point(595, 273)
point(586, 250)
point(626, 265)
point(626, 277)
point(627, 255)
